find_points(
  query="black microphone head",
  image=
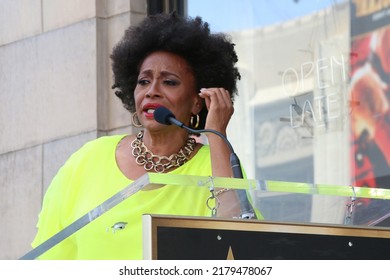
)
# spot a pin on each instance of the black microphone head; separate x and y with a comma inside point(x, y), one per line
point(163, 115)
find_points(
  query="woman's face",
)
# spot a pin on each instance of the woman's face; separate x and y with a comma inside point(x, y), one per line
point(165, 79)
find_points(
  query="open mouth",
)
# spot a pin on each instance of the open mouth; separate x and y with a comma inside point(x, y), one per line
point(149, 110)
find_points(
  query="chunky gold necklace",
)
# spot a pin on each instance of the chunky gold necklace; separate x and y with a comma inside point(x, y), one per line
point(152, 162)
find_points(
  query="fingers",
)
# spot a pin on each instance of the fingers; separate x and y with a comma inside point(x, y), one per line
point(220, 108)
point(217, 97)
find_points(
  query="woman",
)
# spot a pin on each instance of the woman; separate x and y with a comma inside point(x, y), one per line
point(164, 61)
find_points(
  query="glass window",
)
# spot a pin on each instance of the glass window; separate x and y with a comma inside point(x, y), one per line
point(313, 104)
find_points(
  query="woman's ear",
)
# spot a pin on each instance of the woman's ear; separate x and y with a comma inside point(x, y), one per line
point(198, 105)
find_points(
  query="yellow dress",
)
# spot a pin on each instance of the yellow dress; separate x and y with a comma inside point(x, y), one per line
point(90, 177)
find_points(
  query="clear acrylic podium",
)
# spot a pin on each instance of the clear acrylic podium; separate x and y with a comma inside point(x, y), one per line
point(342, 198)
point(329, 234)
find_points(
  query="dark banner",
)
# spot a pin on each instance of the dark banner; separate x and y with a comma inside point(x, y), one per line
point(212, 244)
point(370, 104)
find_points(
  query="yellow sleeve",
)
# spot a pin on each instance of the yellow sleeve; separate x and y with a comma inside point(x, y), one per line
point(50, 219)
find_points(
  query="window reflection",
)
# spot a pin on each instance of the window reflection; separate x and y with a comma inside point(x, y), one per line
point(309, 108)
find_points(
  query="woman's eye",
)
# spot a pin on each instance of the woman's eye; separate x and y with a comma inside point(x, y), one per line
point(143, 82)
point(171, 82)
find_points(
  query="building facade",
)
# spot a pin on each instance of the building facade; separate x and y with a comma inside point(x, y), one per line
point(293, 116)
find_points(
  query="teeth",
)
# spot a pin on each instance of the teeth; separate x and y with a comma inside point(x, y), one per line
point(150, 111)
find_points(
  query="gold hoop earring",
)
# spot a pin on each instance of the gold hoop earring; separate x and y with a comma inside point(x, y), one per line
point(194, 121)
point(135, 120)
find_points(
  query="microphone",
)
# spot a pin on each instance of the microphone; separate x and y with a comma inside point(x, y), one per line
point(164, 116)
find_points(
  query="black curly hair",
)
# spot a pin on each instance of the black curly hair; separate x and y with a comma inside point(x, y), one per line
point(211, 56)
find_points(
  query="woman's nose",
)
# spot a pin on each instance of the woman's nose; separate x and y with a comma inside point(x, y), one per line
point(153, 90)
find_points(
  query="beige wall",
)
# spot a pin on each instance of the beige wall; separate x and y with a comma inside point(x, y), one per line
point(55, 94)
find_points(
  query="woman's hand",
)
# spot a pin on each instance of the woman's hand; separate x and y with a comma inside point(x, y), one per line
point(219, 106)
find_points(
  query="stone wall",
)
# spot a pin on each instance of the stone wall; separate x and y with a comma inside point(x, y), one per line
point(55, 94)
